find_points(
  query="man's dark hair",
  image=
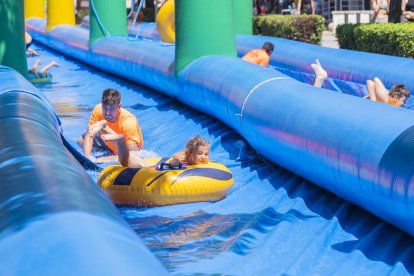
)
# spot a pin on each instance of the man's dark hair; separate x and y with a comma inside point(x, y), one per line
point(398, 91)
point(268, 47)
point(111, 96)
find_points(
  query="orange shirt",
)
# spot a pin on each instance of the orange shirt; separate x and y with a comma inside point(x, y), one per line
point(258, 56)
point(126, 124)
point(393, 103)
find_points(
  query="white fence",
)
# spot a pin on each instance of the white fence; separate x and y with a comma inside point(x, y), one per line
point(353, 17)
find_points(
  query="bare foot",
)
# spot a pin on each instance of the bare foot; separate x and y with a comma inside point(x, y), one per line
point(54, 63)
point(319, 71)
point(113, 137)
point(96, 127)
point(31, 52)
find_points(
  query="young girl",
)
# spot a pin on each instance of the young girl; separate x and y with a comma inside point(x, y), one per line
point(196, 152)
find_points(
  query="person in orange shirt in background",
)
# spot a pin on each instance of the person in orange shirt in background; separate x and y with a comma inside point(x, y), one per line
point(109, 117)
point(397, 96)
point(260, 56)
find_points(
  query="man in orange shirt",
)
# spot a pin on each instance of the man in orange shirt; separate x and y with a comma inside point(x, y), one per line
point(109, 117)
point(260, 56)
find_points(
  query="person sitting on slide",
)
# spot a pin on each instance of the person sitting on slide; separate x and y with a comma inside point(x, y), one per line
point(196, 152)
point(43, 72)
point(109, 117)
point(260, 56)
point(397, 96)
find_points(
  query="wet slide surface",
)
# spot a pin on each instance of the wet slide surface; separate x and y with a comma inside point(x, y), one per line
point(272, 222)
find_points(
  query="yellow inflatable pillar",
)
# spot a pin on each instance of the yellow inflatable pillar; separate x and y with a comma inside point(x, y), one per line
point(60, 12)
point(34, 8)
point(166, 22)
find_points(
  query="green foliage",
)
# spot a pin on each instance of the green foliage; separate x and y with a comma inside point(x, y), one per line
point(345, 35)
point(390, 39)
point(305, 28)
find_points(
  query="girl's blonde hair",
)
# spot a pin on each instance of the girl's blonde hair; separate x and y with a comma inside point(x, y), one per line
point(195, 142)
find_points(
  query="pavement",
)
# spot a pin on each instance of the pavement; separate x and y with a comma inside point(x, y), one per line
point(329, 40)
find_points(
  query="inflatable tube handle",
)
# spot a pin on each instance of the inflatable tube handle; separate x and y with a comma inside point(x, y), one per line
point(85, 162)
point(169, 167)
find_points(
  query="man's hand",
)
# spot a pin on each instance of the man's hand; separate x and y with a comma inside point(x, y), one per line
point(96, 127)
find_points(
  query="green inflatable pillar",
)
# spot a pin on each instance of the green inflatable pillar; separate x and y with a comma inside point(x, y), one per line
point(203, 27)
point(106, 18)
point(12, 45)
point(243, 17)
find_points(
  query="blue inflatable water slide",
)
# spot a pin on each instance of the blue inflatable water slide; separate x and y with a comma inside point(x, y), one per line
point(322, 179)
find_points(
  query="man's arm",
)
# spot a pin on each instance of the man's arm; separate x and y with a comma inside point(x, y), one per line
point(90, 134)
point(133, 135)
point(133, 146)
point(87, 145)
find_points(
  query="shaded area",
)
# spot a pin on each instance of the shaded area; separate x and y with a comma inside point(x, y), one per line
point(273, 222)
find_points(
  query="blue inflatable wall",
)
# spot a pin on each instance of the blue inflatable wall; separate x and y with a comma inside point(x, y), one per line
point(358, 149)
point(54, 219)
point(347, 70)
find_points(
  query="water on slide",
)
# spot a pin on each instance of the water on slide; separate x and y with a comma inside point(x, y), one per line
point(272, 222)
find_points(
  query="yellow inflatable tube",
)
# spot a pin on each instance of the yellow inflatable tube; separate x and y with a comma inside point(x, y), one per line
point(165, 186)
point(166, 22)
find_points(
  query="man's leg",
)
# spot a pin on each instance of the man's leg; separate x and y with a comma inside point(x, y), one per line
point(371, 90)
point(380, 91)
